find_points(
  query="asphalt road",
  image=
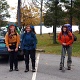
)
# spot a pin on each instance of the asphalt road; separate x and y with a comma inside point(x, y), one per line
point(47, 66)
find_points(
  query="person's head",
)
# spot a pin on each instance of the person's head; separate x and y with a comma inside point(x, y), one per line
point(64, 29)
point(28, 29)
point(11, 29)
point(69, 27)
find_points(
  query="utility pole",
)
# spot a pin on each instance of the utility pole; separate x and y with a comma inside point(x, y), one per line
point(19, 13)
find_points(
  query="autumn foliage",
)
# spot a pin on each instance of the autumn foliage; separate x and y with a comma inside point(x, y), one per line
point(30, 15)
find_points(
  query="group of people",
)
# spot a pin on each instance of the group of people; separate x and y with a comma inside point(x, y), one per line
point(28, 45)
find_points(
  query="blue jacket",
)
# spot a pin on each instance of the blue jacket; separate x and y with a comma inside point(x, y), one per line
point(29, 41)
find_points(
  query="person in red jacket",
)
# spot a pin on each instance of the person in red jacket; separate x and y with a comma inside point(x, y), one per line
point(65, 38)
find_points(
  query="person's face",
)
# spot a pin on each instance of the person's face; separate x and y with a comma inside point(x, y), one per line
point(28, 29)
point(12, 28)
point(64, 29)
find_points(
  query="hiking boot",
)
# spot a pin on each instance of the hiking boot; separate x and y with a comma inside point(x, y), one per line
point(33, 70)
point(69, 67)
point(16, 69)
point(10, 70)
point(26, 70)
point(60, 68)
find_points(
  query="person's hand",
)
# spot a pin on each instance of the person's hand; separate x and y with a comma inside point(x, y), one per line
point(9, 49)
point(64, 44)
point(16, 49)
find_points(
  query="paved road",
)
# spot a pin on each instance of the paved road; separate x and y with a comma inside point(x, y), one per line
point(47, 69)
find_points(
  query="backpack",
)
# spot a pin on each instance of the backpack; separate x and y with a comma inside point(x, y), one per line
point(17, 28)
point(70, 29)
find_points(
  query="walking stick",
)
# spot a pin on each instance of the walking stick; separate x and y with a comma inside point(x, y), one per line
point(63, 57)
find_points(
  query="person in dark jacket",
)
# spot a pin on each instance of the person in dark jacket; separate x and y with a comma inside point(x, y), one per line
point(28, 45)
point(65, 38)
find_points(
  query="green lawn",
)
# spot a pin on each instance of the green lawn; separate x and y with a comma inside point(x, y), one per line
point(45, 42)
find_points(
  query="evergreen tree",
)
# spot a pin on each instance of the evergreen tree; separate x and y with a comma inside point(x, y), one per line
point(3, 11)
point(54, 16)
point(77, 13)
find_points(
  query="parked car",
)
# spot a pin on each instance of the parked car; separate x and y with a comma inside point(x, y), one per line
point(3, 50)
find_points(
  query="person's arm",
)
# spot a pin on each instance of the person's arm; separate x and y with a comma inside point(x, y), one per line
point(18, 40)
point(71, 39)
point(22, 39)
point(35, 40)
point(59, 38)
point(6, 40)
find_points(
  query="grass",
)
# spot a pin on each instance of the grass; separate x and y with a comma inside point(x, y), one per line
point(46, 42)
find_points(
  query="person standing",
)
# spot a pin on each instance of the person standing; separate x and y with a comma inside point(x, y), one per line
point(28, 44)
point(12, 40)
point(65, 38)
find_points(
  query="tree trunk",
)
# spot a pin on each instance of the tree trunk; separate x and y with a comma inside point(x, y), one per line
point(19, 14)
point(55, 23)
point(79, 28)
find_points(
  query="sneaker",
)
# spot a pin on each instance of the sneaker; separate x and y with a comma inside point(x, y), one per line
point(10, 70)
point(33, 70)
point(26, 70)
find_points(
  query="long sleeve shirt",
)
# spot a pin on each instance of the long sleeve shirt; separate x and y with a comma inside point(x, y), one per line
point(13, 39)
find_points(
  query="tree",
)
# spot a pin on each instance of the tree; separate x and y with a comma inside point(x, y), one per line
point(77, 14)
point(30, 15)
point(54, 16)
point(3, 11)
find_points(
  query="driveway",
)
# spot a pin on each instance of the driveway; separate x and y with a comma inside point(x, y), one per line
point(47, 66)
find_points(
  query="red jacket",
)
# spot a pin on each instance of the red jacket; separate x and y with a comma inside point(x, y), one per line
point(68, 39)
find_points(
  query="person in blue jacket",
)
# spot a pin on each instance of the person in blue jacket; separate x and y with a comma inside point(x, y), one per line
point(28, 45)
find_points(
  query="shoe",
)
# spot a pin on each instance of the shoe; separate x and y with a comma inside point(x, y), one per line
point(16, 69)
point(60, 68)
point(10, 70)
point(26, 70)
point(69, 68)
point(33, 70)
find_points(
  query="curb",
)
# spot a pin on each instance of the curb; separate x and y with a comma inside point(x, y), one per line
point(40, 50)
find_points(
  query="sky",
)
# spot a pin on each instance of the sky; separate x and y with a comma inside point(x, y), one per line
point(12, 3)
point(13, 12)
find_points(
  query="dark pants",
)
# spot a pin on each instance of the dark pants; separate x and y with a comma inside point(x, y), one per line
point(32, 55)
point(13, 58)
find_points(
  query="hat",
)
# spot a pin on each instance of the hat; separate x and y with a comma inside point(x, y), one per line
point(32, 27)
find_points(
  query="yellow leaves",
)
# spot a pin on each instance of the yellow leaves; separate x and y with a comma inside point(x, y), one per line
point(30, 15)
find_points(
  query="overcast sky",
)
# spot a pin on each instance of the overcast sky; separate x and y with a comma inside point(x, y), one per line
point(12, 3)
